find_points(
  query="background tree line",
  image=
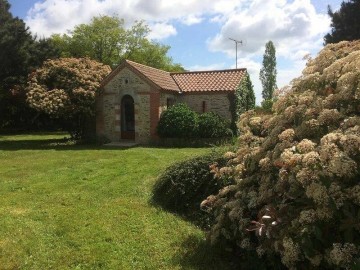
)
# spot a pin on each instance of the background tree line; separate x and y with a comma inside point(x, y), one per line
point(105, 39)
point(20, 53)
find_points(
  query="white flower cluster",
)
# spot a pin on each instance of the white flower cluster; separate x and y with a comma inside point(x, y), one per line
point(287, 135)
point(304, 162)
point(342, 254)
point(305, 146)
point(291, 253)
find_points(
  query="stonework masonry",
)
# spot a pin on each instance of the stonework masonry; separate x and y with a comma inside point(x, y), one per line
point(214, 102)
point(109, 106)
point(164, 98)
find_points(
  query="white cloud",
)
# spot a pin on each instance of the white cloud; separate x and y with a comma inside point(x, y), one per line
point(286, 75)
point(295, 27)
point(192, 19)
point(161, 31)
point(291, 26)
point(58, 16)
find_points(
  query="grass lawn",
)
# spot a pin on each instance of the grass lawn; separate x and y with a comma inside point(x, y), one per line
point(87, 207)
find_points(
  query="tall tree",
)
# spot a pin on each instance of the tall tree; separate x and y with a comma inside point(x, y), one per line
point(154, 55)
point(345, 23)
point(15, 39)
point(245, 96)
point(20, 52)
point(41, 50)
point(102, 40)
point(107, 40)
point(268, 71)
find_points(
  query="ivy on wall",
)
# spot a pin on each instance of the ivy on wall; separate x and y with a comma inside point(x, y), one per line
point(242, 100)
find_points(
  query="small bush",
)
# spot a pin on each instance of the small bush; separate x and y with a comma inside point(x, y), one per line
point(182, 187)
point(178, 121)
point(212, 125)
point(267, 104)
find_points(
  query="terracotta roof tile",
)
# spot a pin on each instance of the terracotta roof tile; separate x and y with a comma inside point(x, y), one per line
point(217, 80)
point(161, 78)
point(197, 81)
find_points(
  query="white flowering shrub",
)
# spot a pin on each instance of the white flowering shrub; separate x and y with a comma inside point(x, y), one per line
point(65, 88)
point(297, 171)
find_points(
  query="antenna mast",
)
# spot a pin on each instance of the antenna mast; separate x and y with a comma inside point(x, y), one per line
point(236, 47)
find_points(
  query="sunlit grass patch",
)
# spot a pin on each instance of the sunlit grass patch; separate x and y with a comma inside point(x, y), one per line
point(87, 207)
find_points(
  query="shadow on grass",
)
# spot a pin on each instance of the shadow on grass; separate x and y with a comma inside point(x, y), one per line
point(62, 145)
point(60, 141)
point(51, 144)
point(194, 215)
point(200, 255)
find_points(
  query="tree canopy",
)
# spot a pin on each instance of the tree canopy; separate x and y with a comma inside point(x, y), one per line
point(268, 71)
point(20, 53)
point(65, 88)
point(106, 40)
point(245, 96)
point(345, 23)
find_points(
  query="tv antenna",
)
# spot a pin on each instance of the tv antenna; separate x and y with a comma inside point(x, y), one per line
point(236, 48)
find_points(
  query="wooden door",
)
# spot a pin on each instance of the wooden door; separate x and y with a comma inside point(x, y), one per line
point(127, 118)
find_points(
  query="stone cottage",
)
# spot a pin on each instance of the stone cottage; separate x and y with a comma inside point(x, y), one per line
point(134, 95)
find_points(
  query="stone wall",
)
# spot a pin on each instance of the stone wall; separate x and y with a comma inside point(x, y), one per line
point(214, 102)
point(142, 118)
point(164, 96)
point(109, 106)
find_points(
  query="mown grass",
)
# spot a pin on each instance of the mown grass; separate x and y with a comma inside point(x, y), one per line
point(87, 207)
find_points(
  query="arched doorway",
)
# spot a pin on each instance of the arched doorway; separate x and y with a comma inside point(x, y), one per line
point(127, 118)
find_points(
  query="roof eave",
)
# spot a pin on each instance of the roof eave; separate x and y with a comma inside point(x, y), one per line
point(208, 91)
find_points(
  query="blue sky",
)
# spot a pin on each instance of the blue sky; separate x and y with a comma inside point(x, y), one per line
point(198, 31)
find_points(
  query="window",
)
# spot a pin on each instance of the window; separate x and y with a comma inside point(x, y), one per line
point(204, 106)
point(170, 102)
point(125, 80)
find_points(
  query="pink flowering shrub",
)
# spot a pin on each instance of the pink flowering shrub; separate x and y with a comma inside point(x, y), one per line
point(297, 171)
point(65, 88)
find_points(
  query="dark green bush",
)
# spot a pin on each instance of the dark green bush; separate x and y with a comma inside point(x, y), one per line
point(267, 104)
point(178, 121)
point(212, 125)
point(183, 186)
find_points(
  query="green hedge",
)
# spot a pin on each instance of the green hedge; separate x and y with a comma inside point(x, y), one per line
point(179, 121)
point(183, 186)
point(212, 125)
